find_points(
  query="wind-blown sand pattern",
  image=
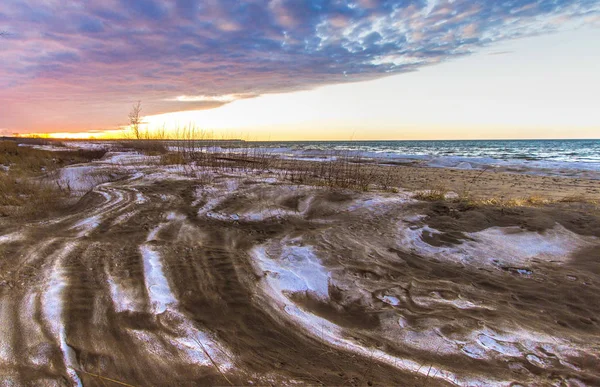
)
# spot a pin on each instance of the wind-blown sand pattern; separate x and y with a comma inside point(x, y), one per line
point(172, 276)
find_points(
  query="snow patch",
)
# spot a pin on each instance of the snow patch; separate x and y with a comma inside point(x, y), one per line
point(12, 237)
point(374, 202)
point(82, 178)
point(157, 284)
point(52, 308)
point(123, 298)
point(125, 158)
point(297, 269)
point(87, 225)
point(394, 301)
point(497, 245)
point(275, 283)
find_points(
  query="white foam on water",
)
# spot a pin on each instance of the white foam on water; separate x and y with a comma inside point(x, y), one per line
point(159, 291)
point(52, 309)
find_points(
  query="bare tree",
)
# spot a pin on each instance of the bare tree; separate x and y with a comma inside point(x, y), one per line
point(135, 119)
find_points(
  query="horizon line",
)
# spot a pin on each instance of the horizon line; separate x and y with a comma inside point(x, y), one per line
point(92, 138)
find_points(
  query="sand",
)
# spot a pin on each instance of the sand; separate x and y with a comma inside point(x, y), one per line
point(179, 276)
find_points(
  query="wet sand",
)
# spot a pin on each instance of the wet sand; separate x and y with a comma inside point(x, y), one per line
point(178, 276)
point(479, 184)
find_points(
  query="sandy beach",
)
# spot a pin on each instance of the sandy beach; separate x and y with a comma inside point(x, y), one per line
point(168, 274)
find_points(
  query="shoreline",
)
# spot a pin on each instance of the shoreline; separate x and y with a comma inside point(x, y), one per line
point(408, 174)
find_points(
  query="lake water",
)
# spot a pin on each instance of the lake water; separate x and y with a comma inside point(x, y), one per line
point(577, 158)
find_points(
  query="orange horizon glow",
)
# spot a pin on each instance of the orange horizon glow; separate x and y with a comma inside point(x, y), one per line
point(123, 135)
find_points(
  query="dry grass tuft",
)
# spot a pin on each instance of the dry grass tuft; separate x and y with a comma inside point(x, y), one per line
point(22, 193)
point(148, 147)
point(172, 158)
point(529, 201)
point(578, 199)
point(433, 194)
point(22, 196)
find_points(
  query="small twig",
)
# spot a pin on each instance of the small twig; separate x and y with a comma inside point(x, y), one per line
point(212, 361)
point(108, 379)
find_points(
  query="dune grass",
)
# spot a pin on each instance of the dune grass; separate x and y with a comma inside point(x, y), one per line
point(23, 191)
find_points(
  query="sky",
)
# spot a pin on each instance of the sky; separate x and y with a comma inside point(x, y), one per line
point(290, 69)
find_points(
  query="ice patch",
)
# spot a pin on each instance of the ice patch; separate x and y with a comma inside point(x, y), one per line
point(154, 232)
point(197, 344)
point(276, 283)
point(208, 207)
point(89, 145)
point(507, 349)
point(52, 308)
point(12, 237)
point(394, 301)
point(557, 242)
point(159, 291)
point(373, 202)
point(87, 225)
point(124, 217)
point(498, 246)
point(539, 349)
point(123, 298)
point(185, 342)
point(139, 198)
point(124, 158)
point(7, 322)
point(172, 216)
point(297, 269)
point(82, 178)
